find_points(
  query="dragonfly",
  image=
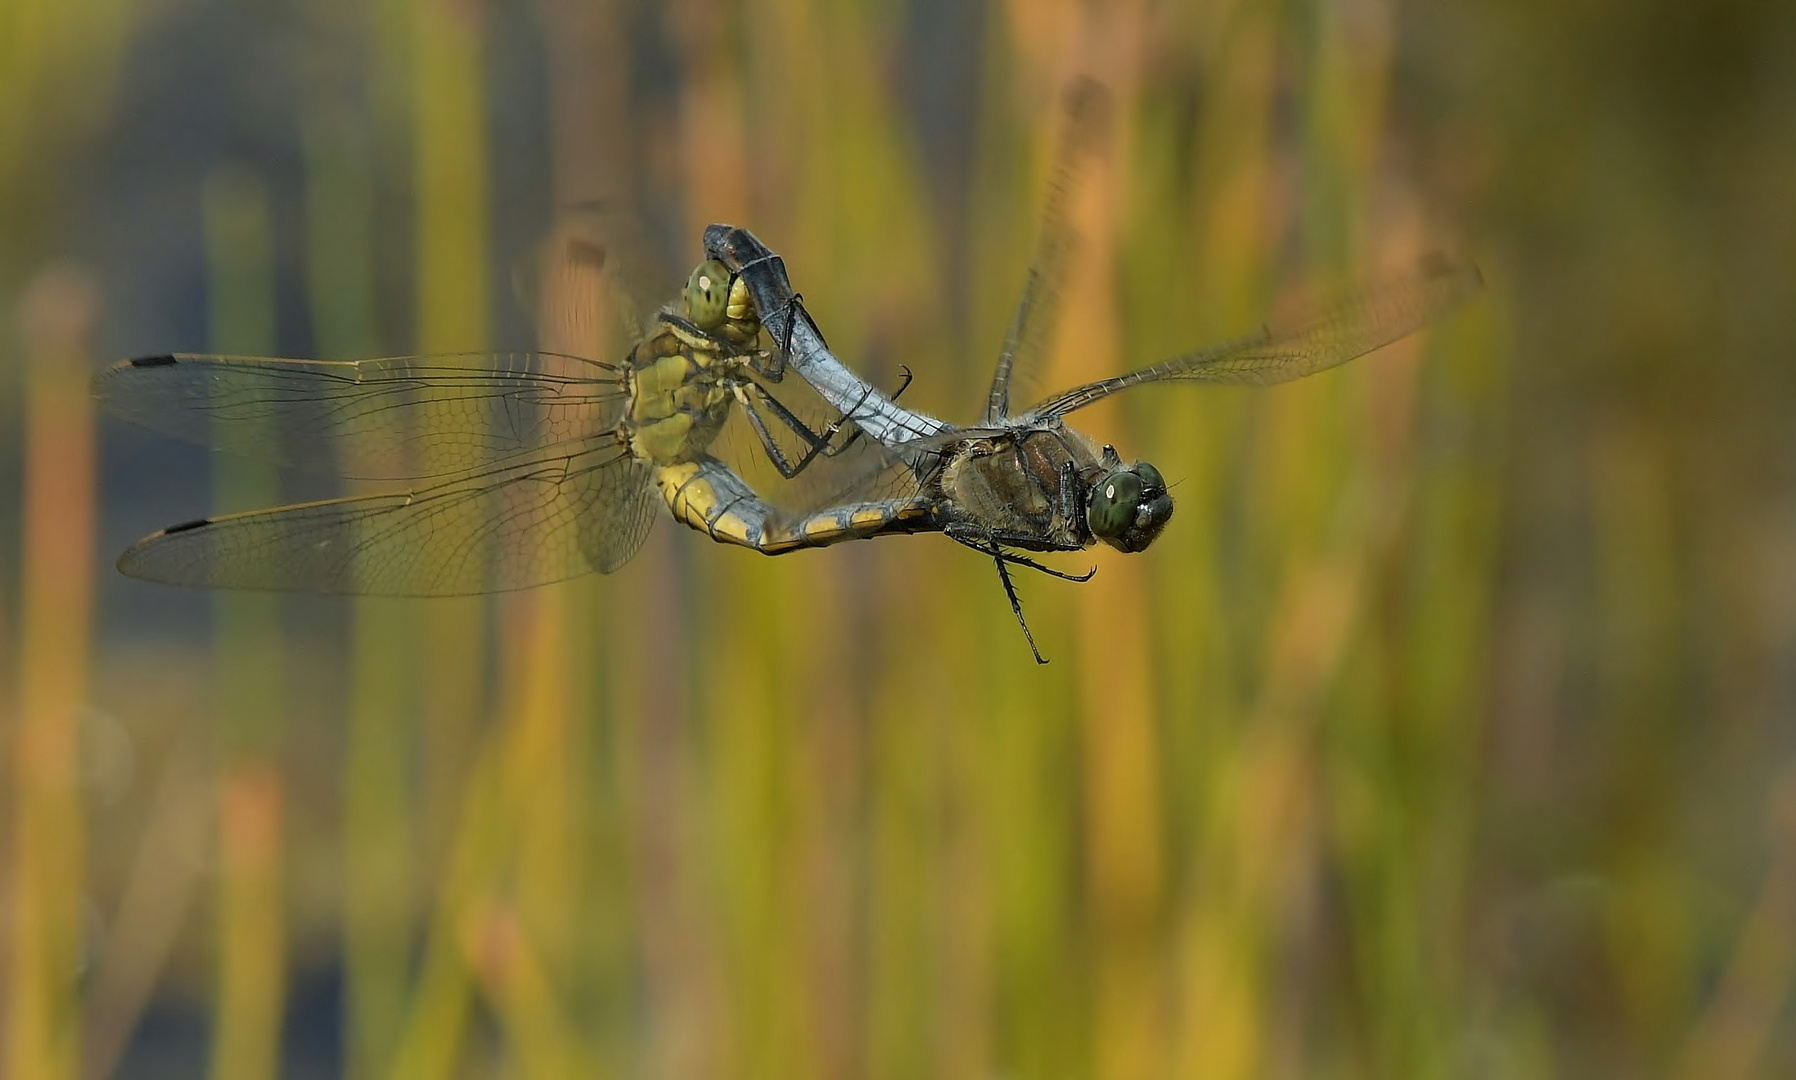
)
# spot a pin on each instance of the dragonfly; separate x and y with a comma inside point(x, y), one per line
point(516, 468)
point(1020, 482)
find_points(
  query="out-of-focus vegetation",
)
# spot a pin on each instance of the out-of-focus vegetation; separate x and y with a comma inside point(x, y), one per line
point(1444, 733)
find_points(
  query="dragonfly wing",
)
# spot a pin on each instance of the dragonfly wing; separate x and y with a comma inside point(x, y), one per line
point(406, 417)
point(1367, 319)
point(617, 512)
point(531, 521)
point(1083, 133)
point(880, 473)
point(592, 273)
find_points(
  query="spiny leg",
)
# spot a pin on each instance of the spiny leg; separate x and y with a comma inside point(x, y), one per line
point(776, 371)
point(774, 367)
point(989, 541)
point(749, 391)
point(688, 327)
point(903, 373)
point(985, 545)
point(795, 308)
point(1016, 605)
point(747, 394)
point(1069, 498)
point(1048, 570)
point(818, 443)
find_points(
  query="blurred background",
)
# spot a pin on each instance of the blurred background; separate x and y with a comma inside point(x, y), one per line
point(1446, 732)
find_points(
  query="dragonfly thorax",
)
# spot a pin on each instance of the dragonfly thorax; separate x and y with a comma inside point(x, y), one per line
point(682, 379)
point(1024, 485)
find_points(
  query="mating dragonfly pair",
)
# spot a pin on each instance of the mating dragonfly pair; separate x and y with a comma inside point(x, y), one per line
point(525, 468)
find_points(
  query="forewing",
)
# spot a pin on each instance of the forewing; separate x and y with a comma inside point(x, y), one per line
point(593, 272)
point(406, 417)
point(537, 520)
point(1084, 128)
point(1367, 319)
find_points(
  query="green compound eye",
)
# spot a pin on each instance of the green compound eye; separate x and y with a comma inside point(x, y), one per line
point(1129, 507)
point(1113, 504)
point(708, 294)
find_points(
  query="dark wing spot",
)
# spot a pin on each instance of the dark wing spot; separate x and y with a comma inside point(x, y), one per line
point(186, 526)
point(153, 361)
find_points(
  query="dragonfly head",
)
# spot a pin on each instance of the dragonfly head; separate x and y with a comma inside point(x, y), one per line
point(1129, 504)
point(708, 295)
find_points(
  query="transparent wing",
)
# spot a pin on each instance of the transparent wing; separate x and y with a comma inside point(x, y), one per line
point(530, 522)
point(618, 508)
point(594, 270)
point(1084, 128)
point(406, 417)
point(875, 473)
point(1367, 319)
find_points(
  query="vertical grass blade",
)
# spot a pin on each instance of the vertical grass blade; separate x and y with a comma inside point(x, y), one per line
point(49, 841)
point(252, 964)
point(445, 51)
point(380, 863)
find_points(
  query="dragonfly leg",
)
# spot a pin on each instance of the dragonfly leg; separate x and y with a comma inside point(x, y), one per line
point(988, 544)
point(979, 539)
point(769, 365)
point(1016, 608)
point(904, 374)
point(691, 329)
point(1048, 570)
point(794, 310)
point(1070, 510)
point(749, 393)
point(1016, 605)
point(773, 368)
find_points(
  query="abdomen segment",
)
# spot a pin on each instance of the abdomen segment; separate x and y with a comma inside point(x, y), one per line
point(706, 495)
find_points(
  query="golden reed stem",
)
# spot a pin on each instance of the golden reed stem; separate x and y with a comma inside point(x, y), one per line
point(49, 841)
